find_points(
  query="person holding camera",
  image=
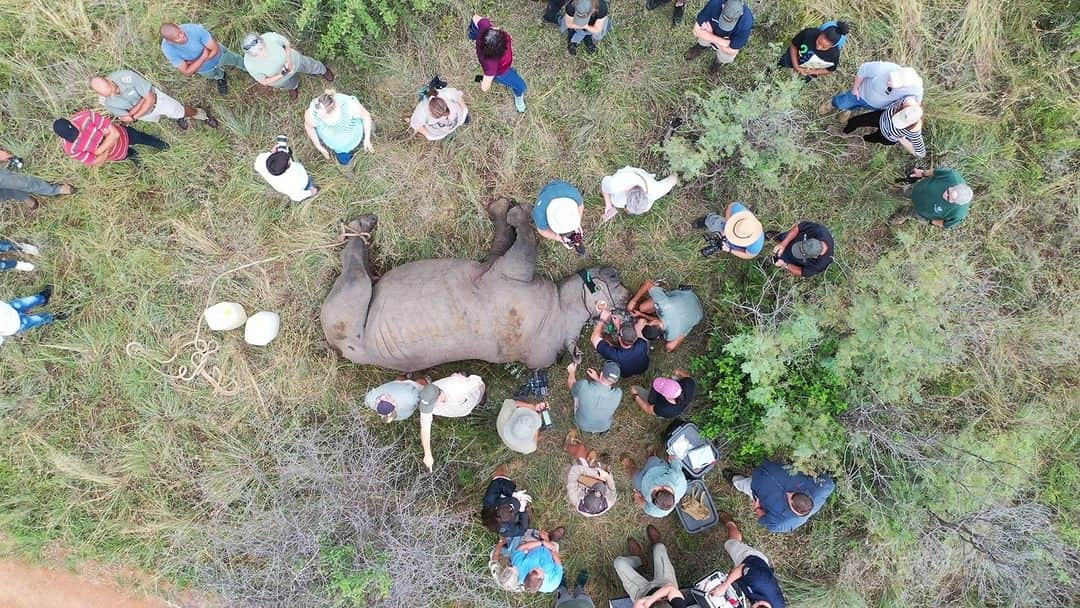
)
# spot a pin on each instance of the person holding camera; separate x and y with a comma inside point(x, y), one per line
point(338, 122)
point(21, 188)
point(440, 112)
point(272, 61)
point(284, 174)
point(496, 56)
point(939, 197)
point(738, 232)
point(557, 214)
point(805, 250)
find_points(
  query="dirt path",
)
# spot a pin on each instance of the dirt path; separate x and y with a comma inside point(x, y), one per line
point(23, 586)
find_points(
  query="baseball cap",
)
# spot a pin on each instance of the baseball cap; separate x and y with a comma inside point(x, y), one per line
point(428, 396)
point(582, 12)
point(742, 229)
point(628, 333)
point(518, 426)
point(908, 116)
point(611, 371)
point(806, 249)
point(668, 388)
point(563, 216)
point(731, 13)
point(593, 502)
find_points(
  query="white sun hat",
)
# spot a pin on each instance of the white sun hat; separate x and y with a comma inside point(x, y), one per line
point(224, 316)
point(563, 216)
point(261, 328)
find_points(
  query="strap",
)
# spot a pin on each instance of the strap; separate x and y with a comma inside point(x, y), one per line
point(843, 37)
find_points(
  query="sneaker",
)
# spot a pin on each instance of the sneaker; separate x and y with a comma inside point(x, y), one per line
point(519, 103)
point(222, 85)
point(182, 123)
point(328, 75)
point(694, 52)
point(294, 94)
point(651, 4)
point(845, 116)
point(571, 47)
point(24, 266)
point(67, 189)
point(27, 248)
point(715, 67)
point(47, 292)
point(212, 122)
point(677, 15)
point(590, 45)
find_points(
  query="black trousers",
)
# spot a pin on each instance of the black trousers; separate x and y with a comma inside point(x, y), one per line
point(138, 138)
point(869, 119)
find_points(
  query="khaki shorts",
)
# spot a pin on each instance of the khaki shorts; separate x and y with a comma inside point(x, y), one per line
point(166, 106)
point(739, 551)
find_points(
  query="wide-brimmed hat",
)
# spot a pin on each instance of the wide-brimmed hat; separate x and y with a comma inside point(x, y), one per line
point(563, 216)
point(582, 12)
point(807, 249)
point(518, 426)
point(593, 501)
point(742, 229)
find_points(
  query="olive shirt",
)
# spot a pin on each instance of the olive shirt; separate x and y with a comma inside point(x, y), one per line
point(133, 87)
point(595, 405)
point(679, 310)
point(928, 196)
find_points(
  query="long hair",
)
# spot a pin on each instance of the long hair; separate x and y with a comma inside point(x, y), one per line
point(437, 105)
point(494, 43)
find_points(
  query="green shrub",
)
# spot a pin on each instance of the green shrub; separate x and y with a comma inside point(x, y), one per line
point(343, 28)
point(760, 127)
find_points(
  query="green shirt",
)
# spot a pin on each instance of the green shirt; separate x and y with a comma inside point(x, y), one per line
point(273, 61)
point(133, 87)
point(596, 405)
point(928, 194)
point(679, 310)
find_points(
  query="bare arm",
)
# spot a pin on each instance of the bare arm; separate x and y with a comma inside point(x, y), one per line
point(112, 137)
point(309, 128)
point(597, 27)
point(571, 376)
point(485, 84)
point(369, 125)
point(792, 233)
point(144, 106)
point(425, 439)
point(641, 403)
point(856, 86)
point(644, 289)
point(598, 329)
point(735, 574)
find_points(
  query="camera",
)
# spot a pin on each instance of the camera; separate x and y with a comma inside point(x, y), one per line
point(281, 144)
point(436, 83)
point(15, 163)
point(574, 239)
point(715, 242)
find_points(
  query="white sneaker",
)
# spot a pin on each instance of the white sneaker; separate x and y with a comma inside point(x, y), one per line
point(24, 266)
point(27, 248)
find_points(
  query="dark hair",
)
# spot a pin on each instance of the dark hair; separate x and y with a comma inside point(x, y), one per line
point(65, 130)
point(278, 162)
point(627, 333)
point(801, 503)
point(494, 43)
point(489, 519)
point(663, 498)
point(652, 332)
point(834, 32)
point(437, 105)
point(533, 580)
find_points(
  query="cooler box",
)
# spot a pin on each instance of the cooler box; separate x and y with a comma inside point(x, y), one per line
point(697, 454)
point(691, 525)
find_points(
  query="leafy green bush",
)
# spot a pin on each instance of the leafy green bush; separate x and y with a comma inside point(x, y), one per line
point(760, 127)
point(344, 27)
point(774, 393)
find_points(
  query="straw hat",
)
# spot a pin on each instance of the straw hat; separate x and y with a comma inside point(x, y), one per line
point(742, 229)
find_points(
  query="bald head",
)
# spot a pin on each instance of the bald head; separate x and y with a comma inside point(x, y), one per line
point(173, 33)
point(102, 86)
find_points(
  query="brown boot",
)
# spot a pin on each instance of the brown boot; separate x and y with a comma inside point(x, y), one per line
point(694, 52)
point(557, 534)
point(653, 534)
point(634, 548)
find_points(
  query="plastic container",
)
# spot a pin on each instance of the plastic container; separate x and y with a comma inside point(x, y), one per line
point(732, 597)
point(690, 432)
point(691, 525)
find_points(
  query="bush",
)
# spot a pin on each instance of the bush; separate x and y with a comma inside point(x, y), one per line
point(760, 127)
point(344, 27)
point(774, 393)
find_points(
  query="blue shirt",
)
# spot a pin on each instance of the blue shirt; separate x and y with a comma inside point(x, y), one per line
point(538, 557)
point(198, 39)
point(662, 473)
point(553, 190)
point(759, 583)
point(739, 35)
point(770, 484)
point(632, 361)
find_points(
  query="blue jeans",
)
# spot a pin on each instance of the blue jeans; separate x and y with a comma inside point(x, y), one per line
point(6, 245)
point(514, 81)
point(848, 101)
point(580, 35)
point(228, 58)
point(16, 186)
point(343, 158)
point(26, 304)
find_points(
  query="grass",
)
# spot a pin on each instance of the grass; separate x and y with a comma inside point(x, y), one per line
point(108, 456)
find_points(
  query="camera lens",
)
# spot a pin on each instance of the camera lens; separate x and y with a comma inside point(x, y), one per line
point(710, 250)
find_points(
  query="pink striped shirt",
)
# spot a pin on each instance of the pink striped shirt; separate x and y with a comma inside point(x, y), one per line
point(92, 130)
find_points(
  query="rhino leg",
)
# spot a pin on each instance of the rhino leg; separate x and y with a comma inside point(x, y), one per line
point(519, 261)
point(504, 234)
point(344, 312)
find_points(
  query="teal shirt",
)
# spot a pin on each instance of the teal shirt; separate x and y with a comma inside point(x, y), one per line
point(596, 405)
point(133, 87)
point(668, 474)
point(679, 310)
point(928, 196)
point(274, 61)
point(345, 134)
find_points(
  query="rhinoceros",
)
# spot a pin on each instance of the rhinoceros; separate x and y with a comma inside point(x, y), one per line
point(429, 312)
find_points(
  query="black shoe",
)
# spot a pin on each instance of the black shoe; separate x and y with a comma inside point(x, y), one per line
point(770, 235)
point(182, 123)
point(715, 67)
point(212, 122)
point(729, 475)
point(60, 316)
point(590, 45)
point(651, 4)
point(694, 52)
point(571, 48)
point(222, 85)
point(46, 293)
point(677, 15)
point(699, 222)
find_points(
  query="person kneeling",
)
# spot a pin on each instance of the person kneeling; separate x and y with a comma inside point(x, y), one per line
point(440, 112)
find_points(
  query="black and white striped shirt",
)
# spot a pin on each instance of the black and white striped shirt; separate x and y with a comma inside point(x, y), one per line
point(893, 134)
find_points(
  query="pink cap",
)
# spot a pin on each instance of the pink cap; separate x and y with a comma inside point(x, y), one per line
point(667, 387)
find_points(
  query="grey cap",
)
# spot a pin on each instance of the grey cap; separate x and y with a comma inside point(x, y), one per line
point(428, 396)
point(807, 249)
point(582, 12)
point(611, 371)
point(731, 13)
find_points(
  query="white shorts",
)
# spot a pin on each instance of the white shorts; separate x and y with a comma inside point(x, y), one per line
point(166, 106)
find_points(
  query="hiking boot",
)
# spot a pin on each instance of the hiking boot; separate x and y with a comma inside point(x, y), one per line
point(715, 66)
point(46, 293)
point(651, 4)
point(222, 85)
point(677, 15)
point(844, 116)
point(24, 266)
point(571, 46)
point(590, 45)
point(582, 580)
point(182, 123)
point(634, 548)
point(66, 189)
point(557, 534)
point(294, 94)
point(653, 534)
point(826, 107)
point(328, 75)
point(212, 122)
point(694, 52)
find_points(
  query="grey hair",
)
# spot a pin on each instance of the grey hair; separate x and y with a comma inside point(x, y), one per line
point(250, 39)
point(964, 194)
point(637, 201)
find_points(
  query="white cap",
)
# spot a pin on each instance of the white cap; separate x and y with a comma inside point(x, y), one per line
point(224, 316)
point(907, 117)
point(261, 328)
point(563, 215)
point(10, 320)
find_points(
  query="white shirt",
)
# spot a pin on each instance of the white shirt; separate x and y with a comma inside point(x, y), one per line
point(292, 183)
point(10, 320)
point(439, 128)
point(460, 395)
point(626, 178)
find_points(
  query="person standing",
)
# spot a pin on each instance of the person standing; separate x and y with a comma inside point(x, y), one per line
point(7, 246)
point(815, 51)
point(670, 314)
point(677, 12)
point(284, 174)
point(634, 190)
point(724, 26)
point(782, 500)
point(658, 486)
point(272, 61)
point(585, 21)
point(804, 250)
point(338, 122)
point(439, 113)
point(452, 397)
point(93, 139)
point(878, 84)
point(596, 398)
point(900, 123)
point(16, 318)
point(22, 188)
point(742, 234)
point(940, 197)
point(668, 397)
point(130, 97)
point(557, 214)
point(495, 53)
point(751, 574)
point(664, 585)
point(190, 48)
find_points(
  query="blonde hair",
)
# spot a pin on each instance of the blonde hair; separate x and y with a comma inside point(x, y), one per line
point(326, 100)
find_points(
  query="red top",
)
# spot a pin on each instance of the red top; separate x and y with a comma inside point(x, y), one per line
point(499, 65)
point(92, 130)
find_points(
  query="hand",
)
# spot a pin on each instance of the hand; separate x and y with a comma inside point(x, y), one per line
point(572, 368)
point(778, 250)
point(368, 147)
point(609, 213)
point(5, 156)
point(855, 92)
point(605, 314)
point(779, 263)
point(592, 373)
point(539, 407)
point(916, 173)
point(126, 118)
point(639, 500)
point(725, 247)
point(429, 461)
